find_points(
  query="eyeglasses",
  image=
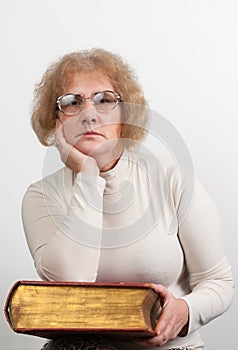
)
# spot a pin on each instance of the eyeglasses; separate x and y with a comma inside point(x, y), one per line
point(103, 101)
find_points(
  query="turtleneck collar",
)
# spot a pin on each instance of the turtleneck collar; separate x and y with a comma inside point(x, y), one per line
point(114, 176)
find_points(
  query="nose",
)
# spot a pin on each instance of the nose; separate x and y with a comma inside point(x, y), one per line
point(89, 117)
point(88, 103)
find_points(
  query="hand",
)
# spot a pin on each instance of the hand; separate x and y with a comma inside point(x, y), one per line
point(173, 319)
point(71, 157)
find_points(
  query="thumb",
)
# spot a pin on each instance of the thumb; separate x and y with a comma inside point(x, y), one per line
point(58, 123)
point(160, 289)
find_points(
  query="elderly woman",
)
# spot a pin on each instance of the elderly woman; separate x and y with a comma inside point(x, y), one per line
point(117, 212)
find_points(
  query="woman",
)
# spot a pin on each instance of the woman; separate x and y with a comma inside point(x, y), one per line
point(117, 212)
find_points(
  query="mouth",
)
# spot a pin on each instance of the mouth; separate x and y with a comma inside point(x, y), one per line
point(90, 133)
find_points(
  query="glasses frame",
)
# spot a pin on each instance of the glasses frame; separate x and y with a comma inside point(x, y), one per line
point(84, 100)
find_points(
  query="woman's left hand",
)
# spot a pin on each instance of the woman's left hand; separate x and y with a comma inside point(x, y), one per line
point(173, 319)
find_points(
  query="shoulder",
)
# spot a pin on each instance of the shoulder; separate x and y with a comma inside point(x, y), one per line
point(53, 183)
point(156, 161)
point(168, 174)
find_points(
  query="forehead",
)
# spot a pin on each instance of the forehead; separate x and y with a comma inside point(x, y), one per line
point(88, 83)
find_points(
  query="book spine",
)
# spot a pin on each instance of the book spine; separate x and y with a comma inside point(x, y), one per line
point(7, 311)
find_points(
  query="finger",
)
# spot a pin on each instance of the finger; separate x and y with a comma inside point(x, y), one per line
point(164, 294)
point(59, 135)
point(160, 289)
point(153, 342)
point(64, 148)
point(165, 316)
point(59, 127)
point(58, 123)
point(163, 323)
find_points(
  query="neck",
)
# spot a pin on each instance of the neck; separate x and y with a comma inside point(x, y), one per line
point(108, 161)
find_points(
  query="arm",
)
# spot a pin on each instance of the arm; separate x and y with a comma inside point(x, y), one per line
point(64, 238)
point(210, 278)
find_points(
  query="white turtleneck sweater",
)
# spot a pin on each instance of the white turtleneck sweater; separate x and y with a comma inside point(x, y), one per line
point(146, 220)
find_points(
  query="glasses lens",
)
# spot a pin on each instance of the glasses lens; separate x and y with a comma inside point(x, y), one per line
point(71, 104)
point(105, 101)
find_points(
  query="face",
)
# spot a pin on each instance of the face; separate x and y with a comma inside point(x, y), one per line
point(91, 131)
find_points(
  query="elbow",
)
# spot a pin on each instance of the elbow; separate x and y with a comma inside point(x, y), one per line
point(227, 294)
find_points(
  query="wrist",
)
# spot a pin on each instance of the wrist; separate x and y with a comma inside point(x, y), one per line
point(89, 166)
point(184, 330)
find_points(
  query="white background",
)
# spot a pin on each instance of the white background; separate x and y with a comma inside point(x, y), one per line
point(186, 56)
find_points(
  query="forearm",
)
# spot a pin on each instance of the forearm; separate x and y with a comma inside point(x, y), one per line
point(65, 242)
point(211, 295)
point(210, 277)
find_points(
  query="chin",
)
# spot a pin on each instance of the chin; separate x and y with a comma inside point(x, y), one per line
point(87, 147)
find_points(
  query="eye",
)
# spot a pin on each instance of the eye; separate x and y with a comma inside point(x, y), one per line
point(104, 97)
point(104, 100)
point(72, 100)
point(99, 98)
point(71, 104)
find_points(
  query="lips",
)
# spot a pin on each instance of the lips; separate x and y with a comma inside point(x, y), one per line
point(88, 134)
point(92, 132)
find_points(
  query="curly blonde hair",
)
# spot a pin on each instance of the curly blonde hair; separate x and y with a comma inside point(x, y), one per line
point(58, 76)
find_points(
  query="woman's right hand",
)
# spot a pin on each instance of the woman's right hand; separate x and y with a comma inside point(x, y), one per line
point(71, 157)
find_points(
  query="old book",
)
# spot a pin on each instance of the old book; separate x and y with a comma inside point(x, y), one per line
point(50, 309)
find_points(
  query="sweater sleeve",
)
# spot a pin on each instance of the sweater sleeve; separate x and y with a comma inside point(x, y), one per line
point(64, 238)
point(210, 276)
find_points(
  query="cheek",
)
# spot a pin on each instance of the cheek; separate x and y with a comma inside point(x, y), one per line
point(113, 131)
point(71, 130)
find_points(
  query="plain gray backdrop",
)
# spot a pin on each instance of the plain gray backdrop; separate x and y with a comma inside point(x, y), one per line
point(185, 54)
